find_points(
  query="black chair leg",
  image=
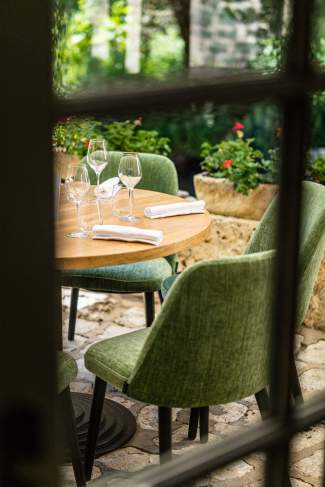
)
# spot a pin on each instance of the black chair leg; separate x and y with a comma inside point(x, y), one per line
point(94, 421)
point(149, 299)
point(204, 424)
point(194, 423)
point(71, 433)
point(165, 433)
point(295, 384)
point(73, 312)
point(263, 402)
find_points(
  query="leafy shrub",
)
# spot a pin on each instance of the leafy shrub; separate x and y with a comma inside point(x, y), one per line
point(235, 160)
point(73, 136)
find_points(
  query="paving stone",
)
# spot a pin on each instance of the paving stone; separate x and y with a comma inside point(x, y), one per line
point(310, 469)
point(132, 318)
point(83, 327)
point(314, 353)
point(313, 380)
point(67, 475)
point(85, 387)
point(112, 331)
point(229, 413)
point(128, 459)
point(299, 339)
point(70, 345)
point(306, 443)
point(233, 474)
point(148, 417)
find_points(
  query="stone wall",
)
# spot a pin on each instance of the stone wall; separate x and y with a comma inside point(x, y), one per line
point(229, 236)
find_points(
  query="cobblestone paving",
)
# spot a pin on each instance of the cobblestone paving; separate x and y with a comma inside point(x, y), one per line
point(102, 316)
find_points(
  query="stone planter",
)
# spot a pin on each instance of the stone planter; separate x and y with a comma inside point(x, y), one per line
point(221, 198)
point(62, 160)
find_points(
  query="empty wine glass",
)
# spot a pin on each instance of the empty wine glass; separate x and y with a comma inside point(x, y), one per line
point(129, 172)
point(97, 156)
point(77, 185)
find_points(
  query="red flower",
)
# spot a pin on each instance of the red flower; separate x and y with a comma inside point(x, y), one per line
point(238, 126)
point(279, 131)
point(227, 163)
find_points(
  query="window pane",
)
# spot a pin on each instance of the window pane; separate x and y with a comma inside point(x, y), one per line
point(107, 41)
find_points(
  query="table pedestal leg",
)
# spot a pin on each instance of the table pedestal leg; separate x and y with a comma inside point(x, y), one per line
point(118, 424)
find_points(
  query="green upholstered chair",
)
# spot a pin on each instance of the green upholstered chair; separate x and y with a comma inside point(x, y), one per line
point(67, 372)
point(214, 322)
point(158, 174)
point(312, 248)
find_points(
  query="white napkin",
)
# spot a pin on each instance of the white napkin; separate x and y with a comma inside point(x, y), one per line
point(106, 189)
point(172, 209)
point(129, 234)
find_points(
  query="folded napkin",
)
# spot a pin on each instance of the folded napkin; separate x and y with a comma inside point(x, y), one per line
point(129, 234)
point(185, 208)
point(108, 188)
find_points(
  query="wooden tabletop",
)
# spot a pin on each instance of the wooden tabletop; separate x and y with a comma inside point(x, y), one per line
point(180, 232)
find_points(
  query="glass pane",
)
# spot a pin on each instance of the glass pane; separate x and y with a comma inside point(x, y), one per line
point(107, 41)
point(182, 136)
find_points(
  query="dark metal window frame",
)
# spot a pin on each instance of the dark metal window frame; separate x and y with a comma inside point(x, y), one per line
point(25, 90)
point(291, 90)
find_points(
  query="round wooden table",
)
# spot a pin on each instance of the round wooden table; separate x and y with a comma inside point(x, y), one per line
point(179, 233)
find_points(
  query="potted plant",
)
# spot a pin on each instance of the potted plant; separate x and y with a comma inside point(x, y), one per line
point(235, 180)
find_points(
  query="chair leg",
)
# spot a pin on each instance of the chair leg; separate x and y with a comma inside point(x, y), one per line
point(73, 312)
point(263, 402)
point(295, 384)
point(71, 433)
point(94, 421)
point(165, 433)
point(193, 424)
point(149, 299)
point(204, 424)
point(161, 299)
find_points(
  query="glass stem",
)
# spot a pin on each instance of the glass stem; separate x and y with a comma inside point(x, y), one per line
point(98, 176)
point(78, 214)
point(130, 201)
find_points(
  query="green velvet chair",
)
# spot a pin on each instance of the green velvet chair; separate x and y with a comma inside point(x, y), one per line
point(214, 322)
point(67, 372)
point(312, 248)
point(158, 174)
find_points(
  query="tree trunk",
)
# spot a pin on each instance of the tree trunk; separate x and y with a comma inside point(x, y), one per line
point(181, 9)
point(133, 40)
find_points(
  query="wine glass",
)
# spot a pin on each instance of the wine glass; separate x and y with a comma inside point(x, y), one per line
point(129, 172)
point(77, 185)
point(97, 156)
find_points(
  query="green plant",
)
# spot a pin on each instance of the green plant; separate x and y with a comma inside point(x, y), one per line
point(73, 136)
point(234, 159)
point(316, 170)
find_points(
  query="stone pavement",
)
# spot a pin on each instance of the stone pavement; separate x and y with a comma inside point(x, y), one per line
point(101, 316)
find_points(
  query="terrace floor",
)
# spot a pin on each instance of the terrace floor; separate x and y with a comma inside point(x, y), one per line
point(102, 316)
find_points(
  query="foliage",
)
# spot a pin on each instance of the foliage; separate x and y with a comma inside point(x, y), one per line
point(234, 159)
point(74, 135)
point(316, 170)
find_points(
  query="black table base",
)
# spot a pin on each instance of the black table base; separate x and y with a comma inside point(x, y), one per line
point(117, 426)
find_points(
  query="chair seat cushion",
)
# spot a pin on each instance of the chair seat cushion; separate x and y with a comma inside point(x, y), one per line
point(113, 359)
point(67, 370)
point(140, 277)
point(167, 284)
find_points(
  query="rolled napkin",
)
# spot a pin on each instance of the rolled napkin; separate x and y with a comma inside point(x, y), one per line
point(129, 234)
point(108, 188)
point(173, 209)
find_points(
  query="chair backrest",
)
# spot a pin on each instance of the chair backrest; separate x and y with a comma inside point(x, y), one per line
point(158, 172)
point(312, 240)
point(209, 343)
